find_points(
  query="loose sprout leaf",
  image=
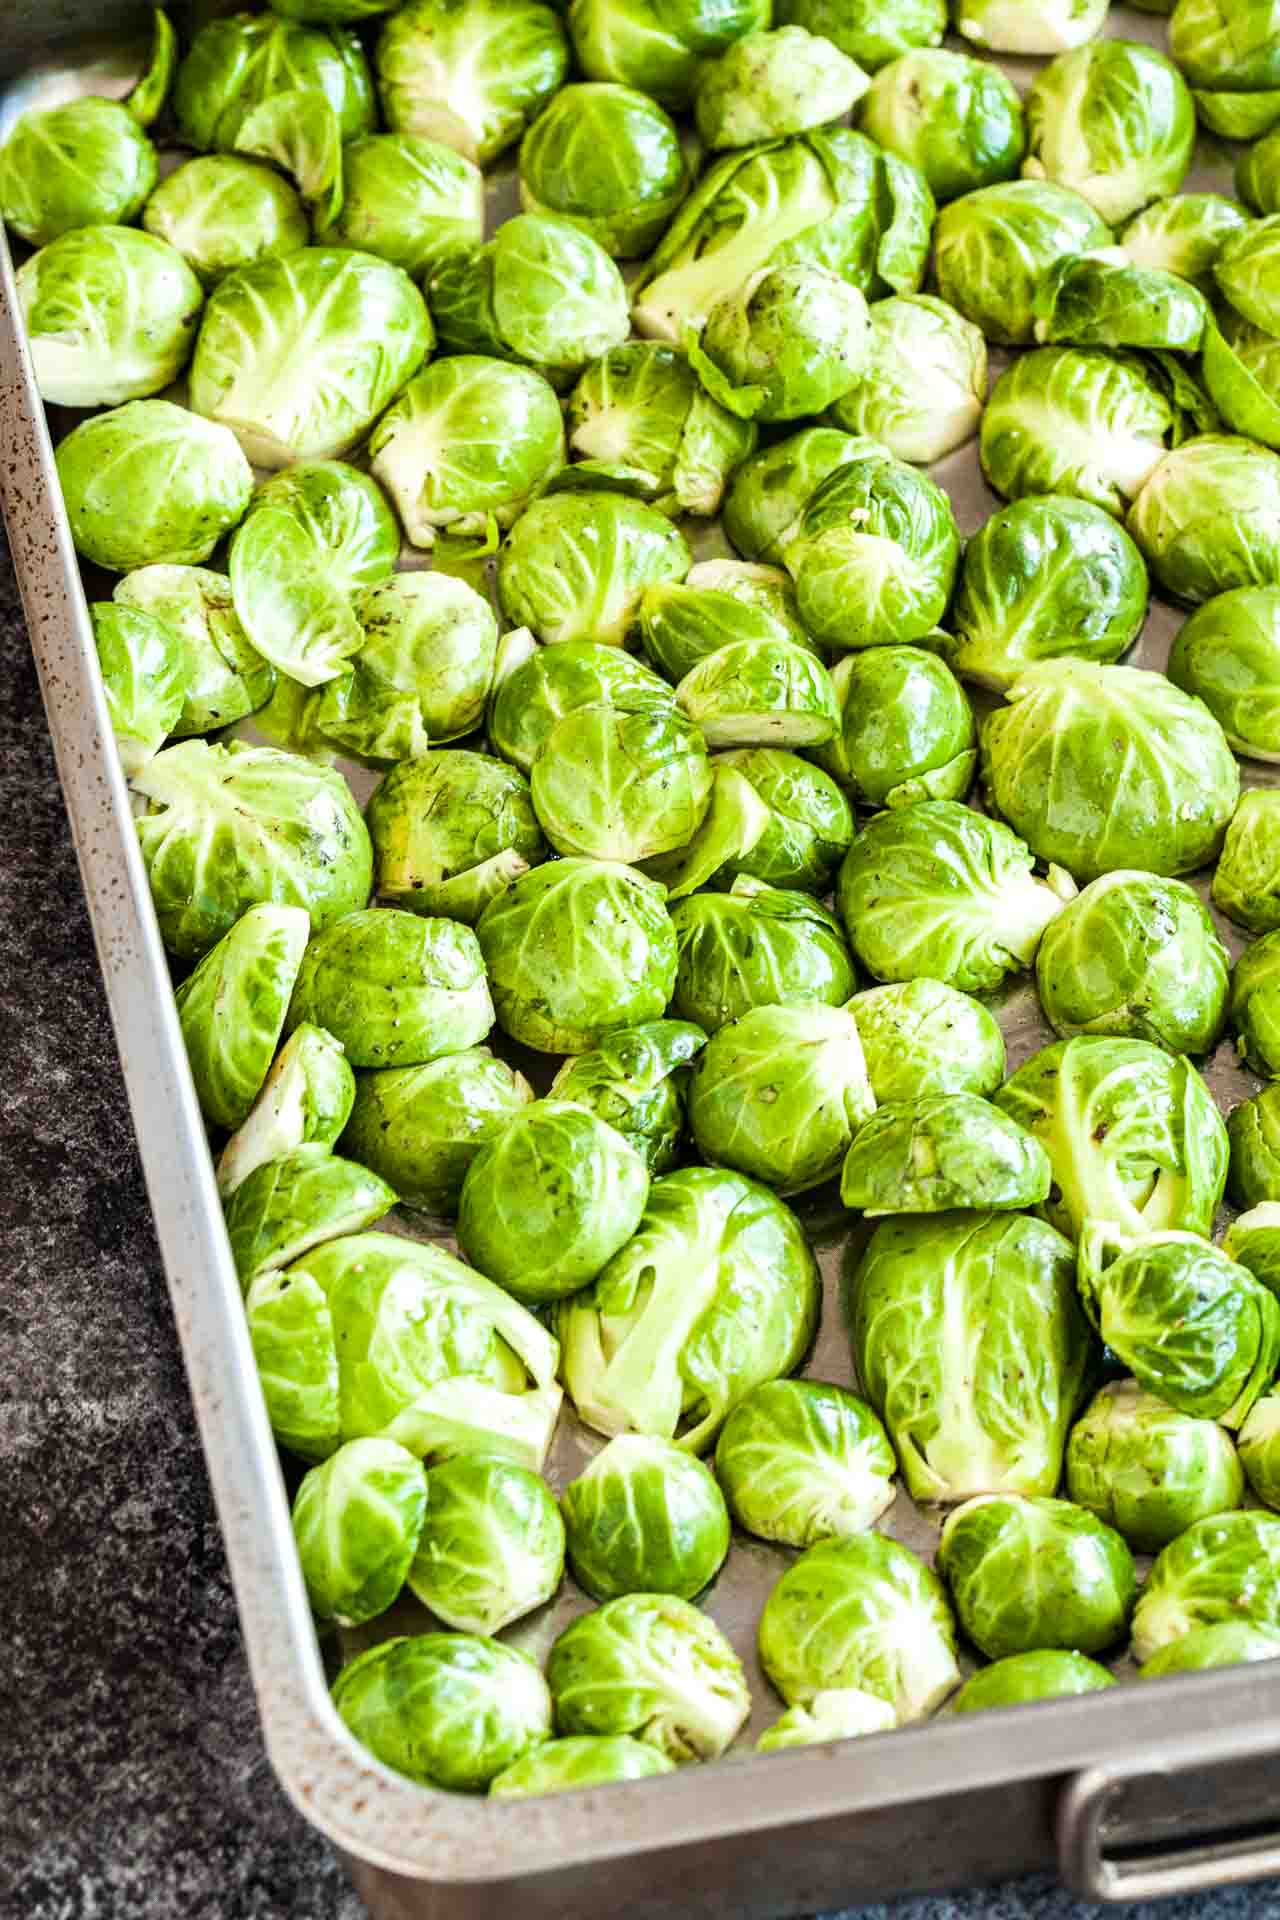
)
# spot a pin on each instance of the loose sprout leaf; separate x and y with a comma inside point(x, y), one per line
point(147, 100)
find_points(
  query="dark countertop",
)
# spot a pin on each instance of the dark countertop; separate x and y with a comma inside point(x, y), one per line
point(135, 1786)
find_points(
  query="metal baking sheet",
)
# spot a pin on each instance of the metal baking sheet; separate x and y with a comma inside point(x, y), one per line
point(927, 1805)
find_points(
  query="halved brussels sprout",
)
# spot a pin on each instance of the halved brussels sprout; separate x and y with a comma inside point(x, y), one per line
point(356, 1522)
point(239, 64)
point(789, 342)
point(232, 1008)
point(907, 731)
point(396, 988)
point(656, 46)
point(1260, 1449)
point(861, 1612)
point(86, 163)
point(921, 1037)
point(613, 783)
point(222, 212)
point(770, 84)
point(451, 830)
point(644, 1517)
point(635, 1081)
point(801, 1461)
point(1183, 234)
point(1220, 1571)
point(144, 680)
point(766, 501)
point(536, 687)
point(414, 202)
point(492, 1543)
point(760, 693)
point(1076, 421)
point(1102, 299)
point(286, 1207)
point(991, 247)
point(756, 946)
point(1253, 1240)
point(809, 824)
point(1030, 26)
point(576, 1761)
point(1027, 1574)
point(471, 76)
point(959, 120)
point(1115, 121)
point(110, 315)
point(609, 160)
point(1254, 1006)
point(1248, 273)
point(925, 389)
point(575, 566)
point(720, 602)
point(1024, 1677)
point(1208, 518)
point(640, 419)
point(305, 1101)
point(835, 1714)
point(1227, 1644)
point(1246, 883)
point(650, 1665)
point(421, 1127)
point(1148, 1470)
point(225, 678)
point(968, 1337)
point(1253, 1128)
point(942, 1151)
point(1228, 655)
point(868, 31)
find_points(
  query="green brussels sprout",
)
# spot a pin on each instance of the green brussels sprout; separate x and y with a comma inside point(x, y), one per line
point(608, 160)
point(1148, 1470)
point(356, 1522)
point(110, 315)
point(86, 163)
point(861, 1612)
point(286, 1207)
point(875, 556)
point(411, 201)
point(397, 989)
point(969, 1340)
point(1208, 518)
point(291, 1333)
point(275, 361)
point(829, 199)
point(1102, 299)
point(635, 1082)
point(492, 1544)
point(1043, 578)
point(1258, 177)
point(225, 678)
point(760, 693)
point(1226, 1644)
point(957, 119)
point(221, 212)
point(1133, 1135)
point(150, 482)
point(1134, 954)
point(232, 1008)
point(767, 497)
point(1248, 273)
point(614, 784)
point(1115, 121)
point(991, 247)
point(234, 827)
point(575, 566)
point(780, 1093)
point(767, 85)
point(469, 440)
point(640, 418)
point(1254, 1006)
point(868, 31)
point(1253, 1129)
point(144, 680)
point(242, 63)
point(1030, 1574)
point(1183, 234)
point(644, 1517)
point(936, 889)
point(1043, 26)
point(536, 687)
point(446, 1709)
point(907, 731)
point(451, 830)
point(756, 946)
point(927, 384)
point(1246, 884)
point(577, 950)
point(921, 1037)
point(801, 1461)
point(1223, 45)
point(305, 1100)
point(836, 1714)
point(1253, 1240)
point(809, 824)
point(940, 1151)
point(649, 1665)
point(659, 48)
point(1024, 1677)
point(1100, 768)
point(470, 75)
point(577, 1761)
point(1259, 1452)
point(421, 1127)
point(717, 1292)
point(300, 131)
point(790, 341)
point(1222, 1570)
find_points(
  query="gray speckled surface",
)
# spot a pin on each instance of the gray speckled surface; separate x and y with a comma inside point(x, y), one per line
point(133, 1785)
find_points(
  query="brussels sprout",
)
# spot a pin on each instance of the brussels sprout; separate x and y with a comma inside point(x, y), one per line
point(756, 946)
point(1259, 1452)
point(907, 731)
point(221, 212)
point(614, 784)
point(291, 1332)
point(640, 417)
point(1258, 178)
point(1227, 44)
point(577, 1761)
point(809, 823)
point(299, 356)
point(1115, 121)
point(770, 84)
point(649, 1665)
point(1136, 955)
point(1184, 235)
point(575, 566)
point(421, 1127)
point(1254, 1006)
point(1043, 578)
point(286, 1207)
point(239, 64)
point(968, 1337)
point(717, 1292)
point(635, 1081)
point(874, 558)
point(607, 159)
point(396, 988)
point(1133, 1135)
point(760, 693)
point(411, 201)
point(1148, 1470)
point(826, 199)
point(1227, 1644)
point(470, 75)
point(780, 1093)
point(224, 677)
point(860, 1612)
point(1208, 518)
point(86, 163)
point(299, 131)
point(144, 680)
point(941, 1151)
point(802, 1461)
point(232, 1008)
point(1253, 1128)
point(1102, 768)
point(1228, 654)
point(535, 689)
point(1030, 26)
point(927, 384)
point(992, 246)
point(1102, 300)
point(356, 1522)
point(868, 31)
point(659, 48)
point(150, 482)
point(1246, 884)
point(576, 950)
point(305, 1100)
point(1253, 1240)
point(1027, 1574)
point(836, 1714)
point(451, 830)
point(958, 120)
point(920, 1037)
point(645, 1517)
point(1247, 271)
point(767, 498)
point(1024, 1677)
point(936, 889)
point(790, 341)
point(492, 1545)
point(446, 1709)
point(1223, 1570)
